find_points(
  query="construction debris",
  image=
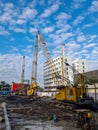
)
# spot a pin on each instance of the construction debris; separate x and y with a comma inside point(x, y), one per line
point(25, 113)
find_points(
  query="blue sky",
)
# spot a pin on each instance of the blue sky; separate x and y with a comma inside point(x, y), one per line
point(70, 22)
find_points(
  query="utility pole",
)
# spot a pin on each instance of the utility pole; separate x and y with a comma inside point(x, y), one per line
point(23, 70)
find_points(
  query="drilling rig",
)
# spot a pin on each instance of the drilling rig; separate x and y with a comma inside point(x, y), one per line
point(33, 86)
point(32, 89)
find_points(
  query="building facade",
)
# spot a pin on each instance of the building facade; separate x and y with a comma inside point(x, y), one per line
point(80, 66)
point(55, 66)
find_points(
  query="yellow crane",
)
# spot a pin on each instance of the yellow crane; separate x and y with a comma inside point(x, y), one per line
point(32, 89)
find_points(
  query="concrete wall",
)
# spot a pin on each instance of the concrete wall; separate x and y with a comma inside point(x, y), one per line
point(93, 91)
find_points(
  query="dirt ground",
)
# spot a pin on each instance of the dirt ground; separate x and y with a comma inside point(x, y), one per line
point(37, 114)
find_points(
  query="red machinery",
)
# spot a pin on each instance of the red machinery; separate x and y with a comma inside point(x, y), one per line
point(16, 86)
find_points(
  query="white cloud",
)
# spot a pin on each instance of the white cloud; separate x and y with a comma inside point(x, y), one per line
point(78, 20)
point(81, 38)
point(14, 49)
point(63, 28)
point(66, 35)
point(93, 64)
point(95, 53)
point(83, 52)
point(9, 7)
point(94, 6)
point(92, 37)
point(72, 46)
point(28, 49)
point(12, 39)
point(11, 68)
point(76, 4)
point(6, 17)
point(60, 39)
point(88, 25)
point(9, 14)
point(48, 29)
point(33, 30)
point(50, 10)
point(29, 39)
point(89, 45)
point(33, 4)
point(22, 1)
point(20, 21)
point(19, 30)
point(3, 31)
point(28, 13)
point(63, 16)
point(29, 46)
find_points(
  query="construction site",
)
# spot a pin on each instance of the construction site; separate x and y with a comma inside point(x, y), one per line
point(22, 108)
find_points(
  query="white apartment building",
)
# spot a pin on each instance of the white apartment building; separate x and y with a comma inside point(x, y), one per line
point(50, 68)
point(55, 66)
point(80, 66)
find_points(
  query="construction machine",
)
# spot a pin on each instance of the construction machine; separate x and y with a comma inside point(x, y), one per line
point(72, 92)
point(75, 93)
point(39, 39)
point(32, 88)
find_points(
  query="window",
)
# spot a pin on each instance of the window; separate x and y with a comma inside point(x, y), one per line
point(67, 68)
point(71, 92)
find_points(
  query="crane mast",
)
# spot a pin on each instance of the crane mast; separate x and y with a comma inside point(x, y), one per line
point(23, 70)
point(64, 82)
point(34, 62)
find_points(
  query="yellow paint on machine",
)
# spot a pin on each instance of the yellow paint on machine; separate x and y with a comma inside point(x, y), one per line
point(69, 93)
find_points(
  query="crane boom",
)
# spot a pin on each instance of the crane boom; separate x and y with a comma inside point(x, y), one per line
point(43, 46)
point(53, 68)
